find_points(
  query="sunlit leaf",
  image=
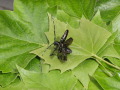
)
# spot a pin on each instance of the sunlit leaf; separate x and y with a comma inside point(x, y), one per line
point(72, 21)
point(109, 9)
point(115, 24)
point(108, 48)
point(115, 61)
point(83, 71)
point(50, 81)
point(78, 86)
point(108, 83)
point(22, 31)
point(116, 27)
point(16, 85)
point(93, 84)
point(85, 43)
point(9, 64)
point(99, 21)
point(7, 78)
point(75, 8)
point(34, 65)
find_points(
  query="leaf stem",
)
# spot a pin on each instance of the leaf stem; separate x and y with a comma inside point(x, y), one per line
point(112, 65)
point(106, 71)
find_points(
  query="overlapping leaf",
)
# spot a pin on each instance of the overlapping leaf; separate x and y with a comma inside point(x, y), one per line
point(115, 23)
point(93, 84)
point(88, 40)
point(16, 85)
point(49, 81)
point(21, 31)
point(10, 78)
point(100, 22)
point(116, 27)
point(64, 17)
point(78, 86)
point(109, 9)
point(75, 8)
point(111, 48)
point(85, 69)
point(108, 83)
point(34, 65)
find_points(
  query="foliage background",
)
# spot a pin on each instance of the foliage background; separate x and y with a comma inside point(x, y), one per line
point(22, 31)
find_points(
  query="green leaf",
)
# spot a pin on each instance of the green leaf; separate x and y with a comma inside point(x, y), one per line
point(7, 78)
point(9, 64)
point(34, 65)
point(16, 85)
point(32, 13)
point(115, 61)
point(44, 67)
point(73, 8)
point(117, 47)
point(84, 46)
point(64, 17)
point(115, 23)
point(116, 26)
point(10, 47)
point(22, 31)
point(53, 3)
point(108, 48)
point(83, 71)
point(99, 21)
point(109, 9)
point(53, 10)
point(108, 83)
point(50, 81)
point(78, 7)
point(78, 86)
point(85, 43)
point(72, 21)
point(94, 85)
point(88, 8)
point(110, 51)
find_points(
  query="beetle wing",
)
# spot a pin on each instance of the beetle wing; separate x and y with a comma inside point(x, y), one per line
point(63, 38)
point(68, 42)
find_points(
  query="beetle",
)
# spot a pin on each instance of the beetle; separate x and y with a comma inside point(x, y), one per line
point(62, 46)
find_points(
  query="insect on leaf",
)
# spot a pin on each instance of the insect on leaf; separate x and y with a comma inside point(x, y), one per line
point(87, 41)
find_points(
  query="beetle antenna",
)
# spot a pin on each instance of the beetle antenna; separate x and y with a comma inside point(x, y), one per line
point(47, 48)
point(54, 38)
point(54, 31)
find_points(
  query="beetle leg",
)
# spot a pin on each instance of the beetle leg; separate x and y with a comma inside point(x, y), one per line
point(54, 51)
